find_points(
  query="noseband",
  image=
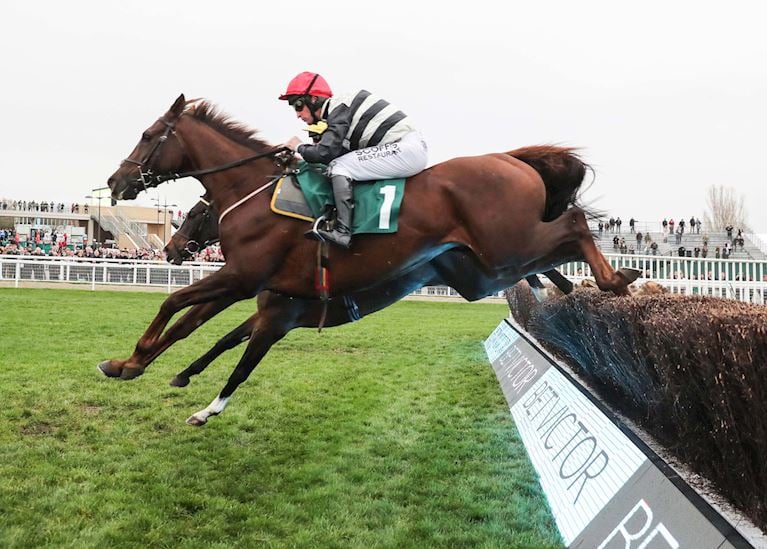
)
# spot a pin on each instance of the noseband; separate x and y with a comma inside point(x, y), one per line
point(192, 246)
point(146, 177)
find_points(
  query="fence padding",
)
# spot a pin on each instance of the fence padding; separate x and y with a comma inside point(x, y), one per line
point(691, 370)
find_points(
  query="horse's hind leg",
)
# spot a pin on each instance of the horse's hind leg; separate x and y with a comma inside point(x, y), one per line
point(240, 334)
point(571, 228)
point(272, 324)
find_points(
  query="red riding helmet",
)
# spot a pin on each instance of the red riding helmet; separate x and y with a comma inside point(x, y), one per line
point(308, 83)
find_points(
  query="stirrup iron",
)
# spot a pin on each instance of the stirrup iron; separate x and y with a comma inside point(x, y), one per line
point(313, 233)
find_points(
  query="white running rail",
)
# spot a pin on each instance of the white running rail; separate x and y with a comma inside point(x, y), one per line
point(744, 280)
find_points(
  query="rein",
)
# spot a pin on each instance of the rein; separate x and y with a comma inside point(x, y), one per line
point(148, 179)
point(223, 167)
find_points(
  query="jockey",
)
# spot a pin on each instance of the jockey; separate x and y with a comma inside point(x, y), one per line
point(366, 138)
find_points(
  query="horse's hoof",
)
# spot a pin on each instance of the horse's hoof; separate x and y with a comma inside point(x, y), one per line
point(629, 274)
point(194, 421)
point(131, 372)
point(119, 368)
point(110, 368)
point(179, 381)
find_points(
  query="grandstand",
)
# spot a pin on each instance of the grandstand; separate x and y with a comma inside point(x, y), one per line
point(128, 227)
point(753, 247)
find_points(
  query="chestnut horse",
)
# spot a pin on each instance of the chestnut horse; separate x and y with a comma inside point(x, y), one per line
point(200, 228)
point(487, 221)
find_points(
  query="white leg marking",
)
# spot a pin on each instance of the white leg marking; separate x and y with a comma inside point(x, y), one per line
point(541, 294)
point(213, 409)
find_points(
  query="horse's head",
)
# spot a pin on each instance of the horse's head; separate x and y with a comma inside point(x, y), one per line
point(199, 229)
point(159, 151)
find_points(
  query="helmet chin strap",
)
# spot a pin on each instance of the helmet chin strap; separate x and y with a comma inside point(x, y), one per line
point(315, 107)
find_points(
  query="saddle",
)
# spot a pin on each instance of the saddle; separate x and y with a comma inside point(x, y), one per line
point(306, 193)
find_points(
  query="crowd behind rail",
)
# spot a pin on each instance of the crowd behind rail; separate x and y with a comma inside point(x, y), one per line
point(35, 206)
point(637, 240)
point(43, 206)
point(10, 245)
point(672, 233)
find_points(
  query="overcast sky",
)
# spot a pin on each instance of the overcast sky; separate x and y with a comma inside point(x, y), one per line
point(664, 98)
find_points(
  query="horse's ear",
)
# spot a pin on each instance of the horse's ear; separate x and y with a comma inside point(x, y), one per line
point(178, 106)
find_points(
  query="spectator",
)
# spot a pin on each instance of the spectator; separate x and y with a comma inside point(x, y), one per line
point(729, 228)
point(665, 224)
point(618, 223)
point(671, 226)
point(601, 226)
point(632, 222)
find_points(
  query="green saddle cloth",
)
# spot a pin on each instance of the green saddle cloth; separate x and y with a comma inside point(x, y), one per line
point(376, 203)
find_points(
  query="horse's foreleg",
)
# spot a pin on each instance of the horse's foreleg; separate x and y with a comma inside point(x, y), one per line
point(145, 354)
point(240, 334)
point(212, 289)
point(539, 290)
point(272, 324)
point(560, 281)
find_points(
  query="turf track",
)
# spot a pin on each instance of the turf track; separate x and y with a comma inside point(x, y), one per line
point(391, 432)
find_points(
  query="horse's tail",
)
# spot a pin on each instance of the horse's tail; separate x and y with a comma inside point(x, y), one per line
point(562, 172)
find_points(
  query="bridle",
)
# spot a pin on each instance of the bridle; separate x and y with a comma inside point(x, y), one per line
point(148, 179)
point(192, 246)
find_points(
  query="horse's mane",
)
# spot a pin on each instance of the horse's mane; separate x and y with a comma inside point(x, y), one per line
point(209, 114)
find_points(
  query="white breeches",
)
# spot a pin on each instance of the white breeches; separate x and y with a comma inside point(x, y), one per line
point(406, 157)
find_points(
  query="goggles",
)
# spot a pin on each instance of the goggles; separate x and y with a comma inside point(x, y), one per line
point(298, 103)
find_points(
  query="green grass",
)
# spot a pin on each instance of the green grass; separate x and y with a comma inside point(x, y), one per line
point(390, 432)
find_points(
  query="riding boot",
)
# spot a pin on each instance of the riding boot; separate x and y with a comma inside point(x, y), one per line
point(342, 193)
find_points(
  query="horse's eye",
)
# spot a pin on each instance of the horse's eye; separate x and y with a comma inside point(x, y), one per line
point(145, 136)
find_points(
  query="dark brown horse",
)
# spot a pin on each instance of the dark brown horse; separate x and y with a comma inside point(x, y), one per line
point(200, 228)
point(489, 221)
